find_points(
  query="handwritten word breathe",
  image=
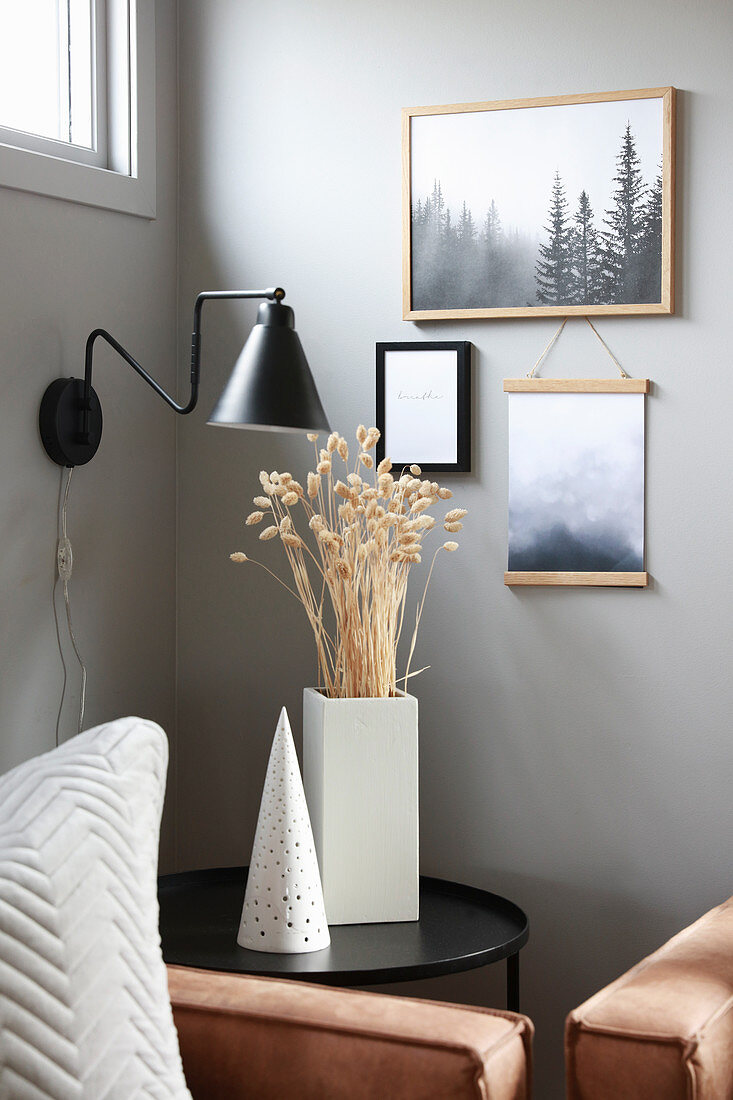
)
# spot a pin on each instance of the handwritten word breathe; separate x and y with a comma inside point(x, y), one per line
point(428, 395)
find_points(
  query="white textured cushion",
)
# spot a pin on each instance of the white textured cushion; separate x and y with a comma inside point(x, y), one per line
point(84, 1008)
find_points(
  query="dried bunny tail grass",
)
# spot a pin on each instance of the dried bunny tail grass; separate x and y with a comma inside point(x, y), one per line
point(314, 484)
point(354, 574)
point(453, 527)
point(405, 557)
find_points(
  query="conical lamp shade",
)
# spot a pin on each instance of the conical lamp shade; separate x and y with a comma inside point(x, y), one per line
point(283, 907)
point(271, 386)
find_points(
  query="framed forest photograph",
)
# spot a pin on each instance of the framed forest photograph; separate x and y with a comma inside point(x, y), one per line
point(535, 207)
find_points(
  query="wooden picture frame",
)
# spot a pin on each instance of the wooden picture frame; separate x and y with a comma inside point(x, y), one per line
point(458, 261)
point(433, 427)
point(548, 532)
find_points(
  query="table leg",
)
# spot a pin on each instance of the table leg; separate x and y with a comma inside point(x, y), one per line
point(512, 983)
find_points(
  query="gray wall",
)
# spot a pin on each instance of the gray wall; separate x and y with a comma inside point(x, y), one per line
point(65, 270)
point(575, 745)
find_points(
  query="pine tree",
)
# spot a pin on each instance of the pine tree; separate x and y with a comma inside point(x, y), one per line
point(437, 205)
point(623, 239)
point(585, 264)
point(492, 227)
point(428, 221)
point(493, 275)
point(466, 227)
point(650, 289)
point(553, 269)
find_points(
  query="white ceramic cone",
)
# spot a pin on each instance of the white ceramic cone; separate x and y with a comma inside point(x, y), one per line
point(283, 907)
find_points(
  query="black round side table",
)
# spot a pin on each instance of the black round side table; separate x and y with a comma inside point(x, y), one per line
point(460, 928)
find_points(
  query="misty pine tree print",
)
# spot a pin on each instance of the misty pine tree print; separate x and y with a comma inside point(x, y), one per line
point(523, 209)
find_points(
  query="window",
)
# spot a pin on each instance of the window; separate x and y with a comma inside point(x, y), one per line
point(77, 101)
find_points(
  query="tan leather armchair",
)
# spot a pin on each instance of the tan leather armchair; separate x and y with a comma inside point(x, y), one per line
point(664, 1030)
point(261, 1039)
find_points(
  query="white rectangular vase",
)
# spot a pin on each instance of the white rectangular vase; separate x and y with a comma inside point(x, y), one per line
point(361, 784)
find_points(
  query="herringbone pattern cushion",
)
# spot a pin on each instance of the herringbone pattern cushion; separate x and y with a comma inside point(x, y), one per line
point(84, 1009)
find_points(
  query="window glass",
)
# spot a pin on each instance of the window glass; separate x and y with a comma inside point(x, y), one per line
point(30, 62)
point(47, 68)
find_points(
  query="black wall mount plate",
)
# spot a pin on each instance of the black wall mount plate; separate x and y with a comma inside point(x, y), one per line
point(60, 421)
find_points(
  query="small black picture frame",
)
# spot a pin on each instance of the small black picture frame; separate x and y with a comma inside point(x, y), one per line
point(433, 426)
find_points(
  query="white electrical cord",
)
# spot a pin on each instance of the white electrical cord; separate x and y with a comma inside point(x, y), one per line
point(64, 567)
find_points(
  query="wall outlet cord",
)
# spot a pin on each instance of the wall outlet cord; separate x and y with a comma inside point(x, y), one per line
point(64, 569)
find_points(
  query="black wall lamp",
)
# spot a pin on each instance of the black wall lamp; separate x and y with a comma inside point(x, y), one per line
point(271, 386)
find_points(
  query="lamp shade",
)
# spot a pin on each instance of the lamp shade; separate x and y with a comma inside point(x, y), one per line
point(271, 386)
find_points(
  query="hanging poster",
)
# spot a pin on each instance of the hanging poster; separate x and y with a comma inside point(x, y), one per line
point(576, 481)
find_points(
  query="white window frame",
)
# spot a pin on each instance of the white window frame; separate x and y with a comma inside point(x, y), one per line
point(127, 98)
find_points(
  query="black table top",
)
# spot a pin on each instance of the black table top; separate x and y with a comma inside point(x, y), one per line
point(460, 928)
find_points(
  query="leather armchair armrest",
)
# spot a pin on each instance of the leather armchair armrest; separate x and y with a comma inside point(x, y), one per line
point(664, 1029)
point(264, 1038)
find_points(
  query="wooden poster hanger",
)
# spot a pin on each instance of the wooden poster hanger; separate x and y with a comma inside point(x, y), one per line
point(622, 385)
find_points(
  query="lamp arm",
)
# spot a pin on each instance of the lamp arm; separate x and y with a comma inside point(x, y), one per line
point(273, 293)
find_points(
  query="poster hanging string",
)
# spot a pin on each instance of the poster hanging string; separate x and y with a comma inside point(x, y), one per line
point(565, 320)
